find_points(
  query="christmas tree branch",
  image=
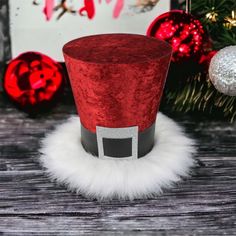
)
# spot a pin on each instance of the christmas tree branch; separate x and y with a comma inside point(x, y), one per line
point(199, 94)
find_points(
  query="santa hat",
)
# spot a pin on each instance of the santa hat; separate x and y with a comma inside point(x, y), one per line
point(117, 82)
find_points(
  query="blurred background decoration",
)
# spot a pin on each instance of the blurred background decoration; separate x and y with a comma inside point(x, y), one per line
point(198, 31)
point(193, 91)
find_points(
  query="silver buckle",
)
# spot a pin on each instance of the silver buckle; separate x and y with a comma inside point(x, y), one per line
point(117, 133)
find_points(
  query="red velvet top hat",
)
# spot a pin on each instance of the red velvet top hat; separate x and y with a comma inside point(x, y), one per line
point(117, 81)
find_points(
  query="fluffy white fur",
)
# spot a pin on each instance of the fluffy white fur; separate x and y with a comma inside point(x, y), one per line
point(67, 162)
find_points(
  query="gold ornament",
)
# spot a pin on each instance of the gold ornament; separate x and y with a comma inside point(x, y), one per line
point(230, 21)
point(212, 16)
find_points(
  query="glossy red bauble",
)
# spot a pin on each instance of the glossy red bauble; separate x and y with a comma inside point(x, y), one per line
point(206, 59)
point(33, 81)
point(183, 31)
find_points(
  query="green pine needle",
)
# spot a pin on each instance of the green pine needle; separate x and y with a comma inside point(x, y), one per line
point(200, 95)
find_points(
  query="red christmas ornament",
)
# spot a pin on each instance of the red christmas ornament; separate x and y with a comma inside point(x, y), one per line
point(206, 59)
point(183, 31)
point(33, 81)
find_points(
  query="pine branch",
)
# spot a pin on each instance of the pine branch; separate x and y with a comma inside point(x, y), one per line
point(198, 94)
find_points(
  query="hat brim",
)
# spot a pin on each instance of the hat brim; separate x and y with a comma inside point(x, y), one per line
point(67, 162)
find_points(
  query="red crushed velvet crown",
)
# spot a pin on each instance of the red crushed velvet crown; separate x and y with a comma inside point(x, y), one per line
point(117, 79)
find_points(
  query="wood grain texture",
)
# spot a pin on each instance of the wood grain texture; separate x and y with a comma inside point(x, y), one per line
point(30, 204)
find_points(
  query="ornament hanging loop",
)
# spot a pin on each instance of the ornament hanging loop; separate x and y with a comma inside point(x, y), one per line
point(188, 6)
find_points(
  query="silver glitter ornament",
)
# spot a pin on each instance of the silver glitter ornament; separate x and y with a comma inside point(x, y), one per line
point(222, 70)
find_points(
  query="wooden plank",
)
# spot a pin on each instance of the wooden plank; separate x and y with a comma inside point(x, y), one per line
point(32, 193)
point(191, 224)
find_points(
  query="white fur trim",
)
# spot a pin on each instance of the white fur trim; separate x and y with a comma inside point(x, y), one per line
point(67, 162)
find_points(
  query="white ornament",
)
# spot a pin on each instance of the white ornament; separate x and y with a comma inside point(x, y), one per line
point(222, 70)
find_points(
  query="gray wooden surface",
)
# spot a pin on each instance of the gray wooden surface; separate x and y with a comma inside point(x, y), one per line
point(204, 204)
